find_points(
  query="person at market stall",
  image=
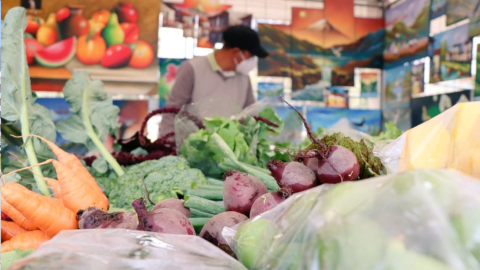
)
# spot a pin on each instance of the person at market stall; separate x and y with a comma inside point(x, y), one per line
point(220, 78)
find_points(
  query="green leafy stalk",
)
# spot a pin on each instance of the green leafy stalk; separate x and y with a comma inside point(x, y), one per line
point(93, 116)
point(19, 102)
point(93, 136)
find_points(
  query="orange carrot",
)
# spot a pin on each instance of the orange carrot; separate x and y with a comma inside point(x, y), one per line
point(48, 216)
point(76, 193)
point(19, 187)
point(16, 216)
point(10, 229)
point(76, 170)
point(25, 241)
point(55, 186)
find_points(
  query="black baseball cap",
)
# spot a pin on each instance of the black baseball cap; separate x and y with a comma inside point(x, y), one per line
point(244, 38)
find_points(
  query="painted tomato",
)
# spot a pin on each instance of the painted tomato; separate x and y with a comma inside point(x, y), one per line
point(116, 56)
point(32, 46)
point(33, 23)
point(101, 16)
point(62, 14)
point(131, 31)
point(90, 51)
point(127, 13)
point(142, 55)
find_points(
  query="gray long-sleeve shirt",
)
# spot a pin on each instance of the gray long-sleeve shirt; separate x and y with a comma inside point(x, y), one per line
point(200, 80)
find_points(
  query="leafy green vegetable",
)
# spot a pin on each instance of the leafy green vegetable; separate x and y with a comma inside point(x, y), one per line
point(9, 258)
point(247, 141)
point(370, 165)
point(168, 177)
point(18, 101)
point(391, 132)
point(93, 117)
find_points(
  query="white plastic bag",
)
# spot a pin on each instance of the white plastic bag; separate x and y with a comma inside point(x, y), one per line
point(117, 249)
point(417, 220)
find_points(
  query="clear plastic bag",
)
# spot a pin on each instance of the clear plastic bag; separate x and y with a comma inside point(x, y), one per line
point(449, 140)
point(416, 220)
point(123, 249)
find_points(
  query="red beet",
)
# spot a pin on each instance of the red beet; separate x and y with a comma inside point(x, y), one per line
point(162, 220)
point(96, 218)
point(335, 164)
point(240, 190)
point(294, 175)
point(212, 231)
point(175, 204)
point(268, 201)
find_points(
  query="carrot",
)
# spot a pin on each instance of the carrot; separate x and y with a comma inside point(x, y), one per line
point(16, 216)
point(25, 241)
point(48, 216)
point(76, 194)
point(19, 187)
point(55, 186)
point(10, 229)
point(66, 159)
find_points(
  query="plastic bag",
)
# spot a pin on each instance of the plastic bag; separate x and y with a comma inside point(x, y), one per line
point(449, 140)
point(416, 220)
point(345, 127)
point(119, 249)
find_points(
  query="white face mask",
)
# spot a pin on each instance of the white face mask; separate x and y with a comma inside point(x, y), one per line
point(246, 65)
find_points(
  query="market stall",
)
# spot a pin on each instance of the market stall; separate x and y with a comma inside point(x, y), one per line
point(240, 192)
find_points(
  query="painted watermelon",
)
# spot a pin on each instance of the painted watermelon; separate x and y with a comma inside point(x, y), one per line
point(58, 54)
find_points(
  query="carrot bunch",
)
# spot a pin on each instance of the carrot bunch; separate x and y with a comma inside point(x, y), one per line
point(37, 218)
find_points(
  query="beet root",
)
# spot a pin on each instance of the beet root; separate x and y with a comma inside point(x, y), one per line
point(96, 218)
point(175, 204)
point(163, 220)
point(240, 190)
point(268, 201)
point(345, 166)
point(212, 231)
point(294, 175)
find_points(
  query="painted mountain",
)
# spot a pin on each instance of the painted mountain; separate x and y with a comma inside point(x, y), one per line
point(407, 31)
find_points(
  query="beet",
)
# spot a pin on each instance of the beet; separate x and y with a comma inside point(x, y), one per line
point(175, 204)
point(335, 164)
point(268, 201)
point(5, 217)
point(212, 231)
point(240, 190)
point(162, 220)
point(96, 218)
point(294, 175)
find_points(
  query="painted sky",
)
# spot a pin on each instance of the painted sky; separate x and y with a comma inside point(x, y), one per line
point(207, 6)
point(364, 26)
point(438, 4)
point(453, 36)
point(369, 77)
point(408, 11)
point(340, 15)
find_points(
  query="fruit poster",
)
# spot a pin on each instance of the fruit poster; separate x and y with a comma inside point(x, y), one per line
point(452, 54)
point(367, 121)
point(458, 10)
point(321, 48)
point(168, 74)
point(269, 89)
point(407, 31)
point(204, 20)
point(398, 87)
point(425, 108)
point(114, 41)
point(438, 8)
point(336, 97)
point(370, 84)
point(476, 92)
point(418, 78)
